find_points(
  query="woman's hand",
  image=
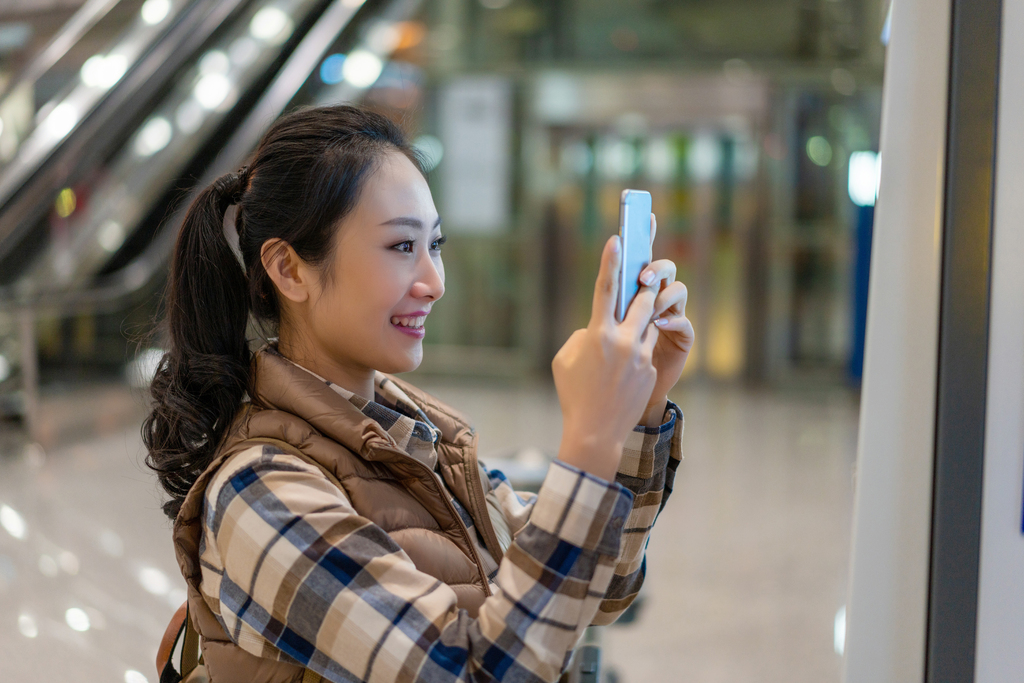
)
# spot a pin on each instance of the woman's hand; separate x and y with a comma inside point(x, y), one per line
point(676, 332)
point(605, 375)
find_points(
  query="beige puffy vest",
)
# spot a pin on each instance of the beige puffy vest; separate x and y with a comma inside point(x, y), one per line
point(296, 412)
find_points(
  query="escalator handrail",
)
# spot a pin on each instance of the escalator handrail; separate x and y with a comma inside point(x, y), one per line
point(87, 16)
point(118, 288)
point(22, 196)
point(18, 171)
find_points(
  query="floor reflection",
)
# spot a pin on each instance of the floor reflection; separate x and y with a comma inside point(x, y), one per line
point(746, 569)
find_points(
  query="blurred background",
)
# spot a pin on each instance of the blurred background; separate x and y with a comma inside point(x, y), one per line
point(753, 123)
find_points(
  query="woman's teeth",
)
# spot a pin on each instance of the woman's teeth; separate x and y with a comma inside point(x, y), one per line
point(406, 321)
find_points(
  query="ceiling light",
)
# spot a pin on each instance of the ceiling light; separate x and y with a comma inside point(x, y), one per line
point(211, 90)
point(153, 136)
point(103, 71)
point(214, 62)
point(111, 236)
point(189, 116)
point(362, 68)
point(61, 120)
point(270, 25)
point(243, 51)
point(865, 171)
point(155, 11)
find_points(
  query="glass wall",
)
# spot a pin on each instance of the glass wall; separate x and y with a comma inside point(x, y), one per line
point(739, 117)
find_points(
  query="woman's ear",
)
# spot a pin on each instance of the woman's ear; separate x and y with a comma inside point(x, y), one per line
point(290, 274)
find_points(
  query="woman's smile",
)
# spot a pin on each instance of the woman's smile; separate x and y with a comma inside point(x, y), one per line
point(411, 324)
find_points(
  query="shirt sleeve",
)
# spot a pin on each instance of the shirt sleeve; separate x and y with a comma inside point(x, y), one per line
point(304, 578)
point(648, 468)
point(649, 461)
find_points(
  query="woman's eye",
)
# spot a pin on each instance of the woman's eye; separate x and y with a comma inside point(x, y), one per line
point(409, 246)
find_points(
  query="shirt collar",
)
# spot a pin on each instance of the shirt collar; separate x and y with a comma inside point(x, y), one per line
point(392, 409)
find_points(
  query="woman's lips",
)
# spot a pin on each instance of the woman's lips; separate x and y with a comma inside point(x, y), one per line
point(418, 333)
point(411, 325)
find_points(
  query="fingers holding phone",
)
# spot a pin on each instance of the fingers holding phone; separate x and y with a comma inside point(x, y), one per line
point(610, 374)
point(654, 282)
point(604, 374)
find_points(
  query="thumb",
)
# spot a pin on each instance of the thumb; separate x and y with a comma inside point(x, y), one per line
point(606, 289)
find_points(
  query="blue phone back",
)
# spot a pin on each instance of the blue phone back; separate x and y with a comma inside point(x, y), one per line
point(635, 233)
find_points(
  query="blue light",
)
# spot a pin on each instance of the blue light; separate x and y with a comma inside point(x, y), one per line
point(330, 70)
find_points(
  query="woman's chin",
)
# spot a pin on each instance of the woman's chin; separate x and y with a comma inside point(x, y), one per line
point(402, 361)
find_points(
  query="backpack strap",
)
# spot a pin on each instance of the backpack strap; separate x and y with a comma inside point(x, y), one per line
point(180, 629)
point(190, 655)
point(164, 666)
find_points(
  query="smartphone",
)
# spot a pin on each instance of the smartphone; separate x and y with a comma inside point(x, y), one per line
point(635, 235)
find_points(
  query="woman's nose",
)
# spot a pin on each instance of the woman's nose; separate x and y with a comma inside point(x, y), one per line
point(429, 282)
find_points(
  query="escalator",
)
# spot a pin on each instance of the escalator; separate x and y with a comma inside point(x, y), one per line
point(76, 128)
point(91, 228)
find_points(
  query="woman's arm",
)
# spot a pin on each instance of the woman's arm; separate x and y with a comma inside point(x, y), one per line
point(647, 469)
point(306, 578)
point(612, 375)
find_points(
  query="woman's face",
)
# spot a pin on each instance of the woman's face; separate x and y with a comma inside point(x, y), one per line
point(370, 312)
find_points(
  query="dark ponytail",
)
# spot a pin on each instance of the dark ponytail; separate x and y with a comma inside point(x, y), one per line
point(304, 178)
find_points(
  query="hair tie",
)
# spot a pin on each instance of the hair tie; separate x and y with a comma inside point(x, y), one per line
point(230, 187)
point(242, 176)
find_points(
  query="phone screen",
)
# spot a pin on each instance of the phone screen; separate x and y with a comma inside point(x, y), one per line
point(635, 233)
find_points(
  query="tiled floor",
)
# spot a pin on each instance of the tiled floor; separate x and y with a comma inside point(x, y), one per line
point(746, 568)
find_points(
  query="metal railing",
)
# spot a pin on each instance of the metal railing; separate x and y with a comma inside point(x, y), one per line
point(88, 15)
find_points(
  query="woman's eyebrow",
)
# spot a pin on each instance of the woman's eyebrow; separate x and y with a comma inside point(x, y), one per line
point(411, 221)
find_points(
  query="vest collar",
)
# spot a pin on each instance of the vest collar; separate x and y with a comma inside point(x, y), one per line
point(281, 385)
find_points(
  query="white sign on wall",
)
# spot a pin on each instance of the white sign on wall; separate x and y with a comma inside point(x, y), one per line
point(476, 127)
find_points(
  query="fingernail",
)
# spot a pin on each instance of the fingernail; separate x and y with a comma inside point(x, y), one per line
point(615, 246)
point(647, 278)
point(660, 321)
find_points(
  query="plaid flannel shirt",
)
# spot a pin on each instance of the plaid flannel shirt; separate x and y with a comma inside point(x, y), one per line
point(294, 573)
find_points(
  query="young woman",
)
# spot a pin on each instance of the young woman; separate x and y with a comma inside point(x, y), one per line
point(331, 520)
